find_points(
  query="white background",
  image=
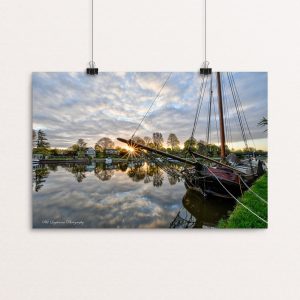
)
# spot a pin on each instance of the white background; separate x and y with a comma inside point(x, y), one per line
point(144, 35)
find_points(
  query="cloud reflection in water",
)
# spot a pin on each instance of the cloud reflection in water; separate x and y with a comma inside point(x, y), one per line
point(138, 198)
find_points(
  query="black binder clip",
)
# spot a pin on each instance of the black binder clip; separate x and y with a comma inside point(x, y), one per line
point(205, 70)
point(92, 70)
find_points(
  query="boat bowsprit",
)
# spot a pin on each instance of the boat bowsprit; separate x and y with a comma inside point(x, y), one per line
point(224, 178)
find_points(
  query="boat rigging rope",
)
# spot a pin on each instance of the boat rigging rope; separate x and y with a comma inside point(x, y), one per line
point(227, 118)
point(199, 105)
point(237, 110)
point(157, 96)
point(217, 127)
point(262, 199)
point(231, 107)
point(251, 211)
point(243, 112)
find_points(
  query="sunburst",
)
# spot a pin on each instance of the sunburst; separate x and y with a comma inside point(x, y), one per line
point(132, 152)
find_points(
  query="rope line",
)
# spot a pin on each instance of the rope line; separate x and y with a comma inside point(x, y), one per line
point(197, 109)
point(157, 96)
point(242, 109)
point(251, 211)
point(227, 115)
point(238, 110)
point(216, 122)
point(208, 128)
point(262, 199)
point(200, 101)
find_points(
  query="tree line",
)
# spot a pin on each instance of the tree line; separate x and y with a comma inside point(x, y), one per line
point(41, 145)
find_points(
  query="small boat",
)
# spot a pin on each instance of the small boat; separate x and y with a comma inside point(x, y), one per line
point(159, 159)
point(172, 160)
point(36, 158)
point(247, 166)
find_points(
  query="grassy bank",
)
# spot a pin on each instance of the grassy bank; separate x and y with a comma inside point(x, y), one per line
point(241, 217)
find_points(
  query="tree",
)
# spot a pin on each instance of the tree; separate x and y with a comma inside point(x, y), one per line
point(79, 172)
point(55, 152)
point(72, 151)
point(213, 150)
point(158, 140)
point(147, 140)
point(201, 147)
point(138, 140)
point(74, 148)
point(173, 179)
point(191, 144)
point(40, 177)
point(263, 122)
point(249, 150)
point(42, 140)
point(173, 141)
point(158, 178)
point(97, 148)
point(81, 144)
point(105, 143)
point(33, 137)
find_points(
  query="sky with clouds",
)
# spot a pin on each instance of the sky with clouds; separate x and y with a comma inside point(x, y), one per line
point(69, 106)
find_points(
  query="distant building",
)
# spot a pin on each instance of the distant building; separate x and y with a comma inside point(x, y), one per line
point(112, 152)
point(37, 157)
point(90, 152)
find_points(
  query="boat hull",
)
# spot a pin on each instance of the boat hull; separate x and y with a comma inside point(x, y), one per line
point(215, 182)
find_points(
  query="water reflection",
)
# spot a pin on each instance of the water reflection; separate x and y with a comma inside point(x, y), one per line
point(39, 177)
point(198, 212)
point(137, 172)
point(78, 171)
point(122, 195)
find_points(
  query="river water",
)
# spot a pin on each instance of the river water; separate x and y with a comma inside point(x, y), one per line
point(134, 195)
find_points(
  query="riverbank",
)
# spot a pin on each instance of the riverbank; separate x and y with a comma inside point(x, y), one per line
point(84, 160)
point(241, 217)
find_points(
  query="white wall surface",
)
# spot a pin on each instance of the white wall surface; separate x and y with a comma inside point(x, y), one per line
point(144, 35)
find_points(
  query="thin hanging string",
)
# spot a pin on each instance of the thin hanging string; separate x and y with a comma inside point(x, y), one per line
point(93, 31)
point(205, 31)
point(92, 63)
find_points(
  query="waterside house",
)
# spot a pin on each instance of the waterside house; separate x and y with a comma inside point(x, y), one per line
point(90, 152)
point(113, 152)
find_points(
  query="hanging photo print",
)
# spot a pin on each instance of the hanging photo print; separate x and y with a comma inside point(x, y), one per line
point(149, 150)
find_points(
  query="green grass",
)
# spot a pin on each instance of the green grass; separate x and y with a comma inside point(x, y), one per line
point(241, 217)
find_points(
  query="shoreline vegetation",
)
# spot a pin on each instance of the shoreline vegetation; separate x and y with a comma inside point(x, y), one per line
point(241, 217)
point(106, 148)
point(85, 160)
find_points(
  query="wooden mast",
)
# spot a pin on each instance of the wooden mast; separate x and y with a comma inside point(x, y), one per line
point(221, 117)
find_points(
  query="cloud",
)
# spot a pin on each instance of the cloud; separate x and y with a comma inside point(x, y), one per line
point(69, 106)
